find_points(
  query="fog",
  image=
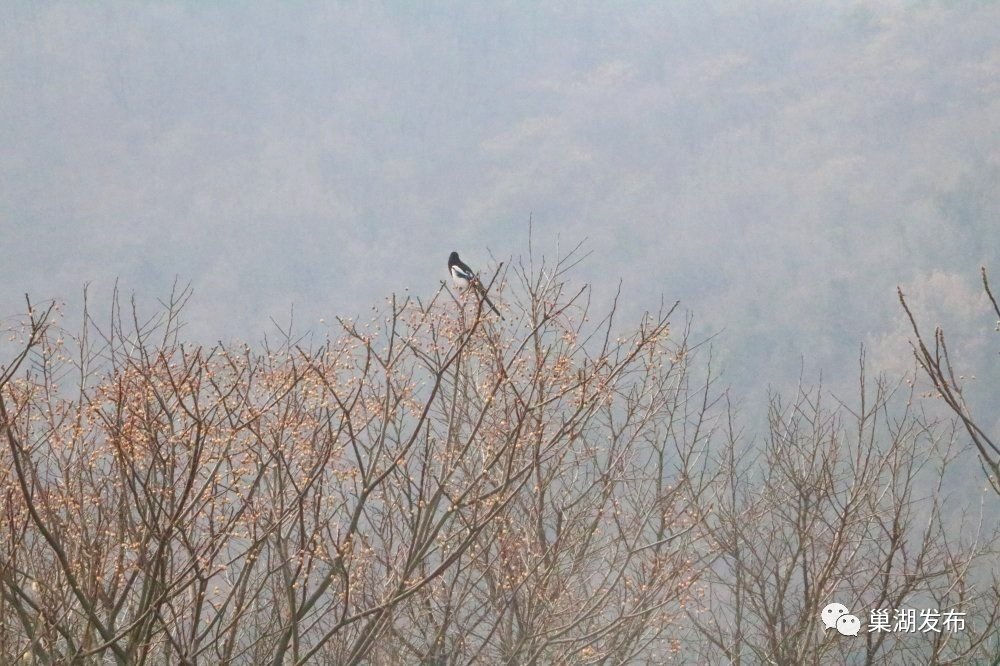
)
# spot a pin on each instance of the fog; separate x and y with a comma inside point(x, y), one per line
point(778, 167)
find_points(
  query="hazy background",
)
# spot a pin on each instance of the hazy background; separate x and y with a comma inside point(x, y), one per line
point(779, 167)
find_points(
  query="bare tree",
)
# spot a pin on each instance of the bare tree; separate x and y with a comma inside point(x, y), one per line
point(845, 503)
point(937, 366)
point(440, 486)
point(435, 485)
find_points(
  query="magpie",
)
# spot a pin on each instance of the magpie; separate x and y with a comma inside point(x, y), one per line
point(463, 276)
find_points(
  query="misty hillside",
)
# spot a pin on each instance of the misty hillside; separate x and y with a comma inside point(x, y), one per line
point(778, 167)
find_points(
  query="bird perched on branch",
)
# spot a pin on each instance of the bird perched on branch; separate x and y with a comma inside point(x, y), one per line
point(463, 277)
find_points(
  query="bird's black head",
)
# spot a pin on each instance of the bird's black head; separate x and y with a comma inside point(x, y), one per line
point(453, 259)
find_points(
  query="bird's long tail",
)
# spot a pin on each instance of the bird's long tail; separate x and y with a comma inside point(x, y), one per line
point(486, 299)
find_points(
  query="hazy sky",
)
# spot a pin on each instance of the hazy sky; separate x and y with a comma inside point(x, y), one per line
point(777, 166)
